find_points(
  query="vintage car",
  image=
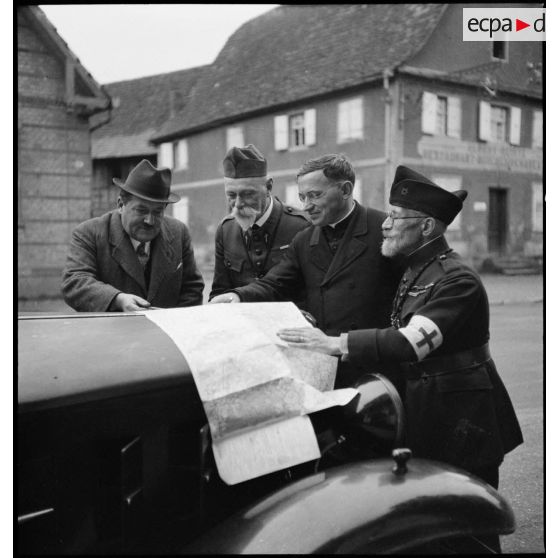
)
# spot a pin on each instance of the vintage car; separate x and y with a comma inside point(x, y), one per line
point(114, 457)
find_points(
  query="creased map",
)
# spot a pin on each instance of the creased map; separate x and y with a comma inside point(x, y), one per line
point(256, 390)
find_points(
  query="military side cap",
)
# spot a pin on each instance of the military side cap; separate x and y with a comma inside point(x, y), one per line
point(244, 162)
point(412, 190)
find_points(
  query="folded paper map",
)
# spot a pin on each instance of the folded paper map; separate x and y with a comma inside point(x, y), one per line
point(256, 390)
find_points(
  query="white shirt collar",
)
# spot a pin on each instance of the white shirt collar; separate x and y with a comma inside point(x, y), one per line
point(333, 225)
point(136, 243)
point(260, 222)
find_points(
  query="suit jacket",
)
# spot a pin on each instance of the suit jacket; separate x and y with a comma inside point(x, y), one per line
point(237, 264)
point(457, 413)
point(351, 290)
point(102, 263)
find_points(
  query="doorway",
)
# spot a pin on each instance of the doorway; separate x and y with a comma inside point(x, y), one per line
point(497, 220)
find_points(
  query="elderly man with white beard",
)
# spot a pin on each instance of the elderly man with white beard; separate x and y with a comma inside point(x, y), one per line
point(457, 407)
point(258, 230)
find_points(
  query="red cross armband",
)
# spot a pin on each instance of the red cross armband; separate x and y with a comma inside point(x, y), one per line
point(423, 335)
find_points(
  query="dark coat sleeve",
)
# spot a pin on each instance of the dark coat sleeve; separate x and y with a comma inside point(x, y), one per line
point(221, 279)
point(191, 290)
point(284, 281)
point(81, 288)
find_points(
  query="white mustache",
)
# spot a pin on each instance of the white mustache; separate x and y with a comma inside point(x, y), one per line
point(245, 217)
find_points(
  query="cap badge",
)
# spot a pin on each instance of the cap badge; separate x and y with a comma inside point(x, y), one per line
point(404, 191)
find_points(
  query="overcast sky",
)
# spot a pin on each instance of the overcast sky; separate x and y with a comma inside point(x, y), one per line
point(126, 41)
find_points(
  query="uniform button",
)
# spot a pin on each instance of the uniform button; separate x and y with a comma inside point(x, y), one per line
point(404, 279)
point(443, 257)
point(258, 264)
point(258, 251)
point(228, 263)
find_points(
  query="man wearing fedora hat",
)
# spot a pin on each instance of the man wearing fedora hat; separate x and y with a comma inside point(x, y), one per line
point(457, 407)
point(133, 257)
point(255, 235)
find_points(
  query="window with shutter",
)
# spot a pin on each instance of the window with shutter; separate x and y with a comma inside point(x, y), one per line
point(349, 120)
point(454, 117)
point(515, 125)
point(537, 129)
point(429, 108)
point(281, 127)
point(484, 121)
point(235, 137)
point(166, 155)
point(180, 154)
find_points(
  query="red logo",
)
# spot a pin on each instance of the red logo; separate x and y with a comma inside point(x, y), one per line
point(519, 24)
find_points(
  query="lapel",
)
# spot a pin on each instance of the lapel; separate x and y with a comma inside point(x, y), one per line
point(320, 254)
point(123, 251)
point(163, 260)
point(351, 247)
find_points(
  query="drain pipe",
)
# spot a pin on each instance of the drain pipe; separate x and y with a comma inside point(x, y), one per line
point(388, 136)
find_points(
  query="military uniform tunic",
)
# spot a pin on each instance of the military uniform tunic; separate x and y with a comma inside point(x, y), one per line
point(241, 260)
point(457, 408)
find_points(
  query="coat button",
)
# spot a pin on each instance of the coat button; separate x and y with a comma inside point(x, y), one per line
point(258, 251)
point(228, 263)
point(258, 264)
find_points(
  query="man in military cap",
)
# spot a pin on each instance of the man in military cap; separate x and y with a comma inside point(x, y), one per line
point(259, 228)
point(457, 407)
point(134, 257)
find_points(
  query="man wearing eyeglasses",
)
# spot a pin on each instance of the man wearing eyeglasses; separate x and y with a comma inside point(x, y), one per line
point(349, 284)
point(257, 232)
point(457, 407)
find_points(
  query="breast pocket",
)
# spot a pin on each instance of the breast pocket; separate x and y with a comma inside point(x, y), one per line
point(276, 255)
point(233, 262)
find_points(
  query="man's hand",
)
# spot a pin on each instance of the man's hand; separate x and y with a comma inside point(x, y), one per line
point(225, 297)
point(311, 339)
point(130, 303)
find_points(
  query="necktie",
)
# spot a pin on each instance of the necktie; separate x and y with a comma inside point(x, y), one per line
point(142, 255)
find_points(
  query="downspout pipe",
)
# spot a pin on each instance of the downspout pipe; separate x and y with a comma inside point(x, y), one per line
point(388, 135)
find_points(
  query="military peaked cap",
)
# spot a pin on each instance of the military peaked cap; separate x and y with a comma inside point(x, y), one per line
point(412, 190)
point(244, 162)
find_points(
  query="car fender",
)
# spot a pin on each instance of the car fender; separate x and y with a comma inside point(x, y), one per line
point(360, 507)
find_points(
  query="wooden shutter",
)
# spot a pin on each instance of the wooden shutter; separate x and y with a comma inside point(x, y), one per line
point(537, 129)
point(343, 113)
point(310, 126)
point(454, 117)
point(515, 125)
point(429, 104)
point(182, 162)
point(281, 126)
point(484, 121)
point(165, 155)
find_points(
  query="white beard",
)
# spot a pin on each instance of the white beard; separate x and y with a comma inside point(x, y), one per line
point(390, 247)
point(246, 218)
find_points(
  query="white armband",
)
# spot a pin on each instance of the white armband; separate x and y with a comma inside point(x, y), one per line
point(423, 335)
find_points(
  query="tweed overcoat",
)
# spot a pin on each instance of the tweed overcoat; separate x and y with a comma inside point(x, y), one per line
point(457, 407)
point(351, 290)
point(102, 263)
point(237, 264)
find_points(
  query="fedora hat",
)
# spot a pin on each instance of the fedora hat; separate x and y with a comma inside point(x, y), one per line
point(148, 183)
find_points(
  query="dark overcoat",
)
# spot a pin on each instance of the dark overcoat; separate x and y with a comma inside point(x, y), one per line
point(102, 263)
point(238, 263)
point(457, 407)
point(352, 289)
